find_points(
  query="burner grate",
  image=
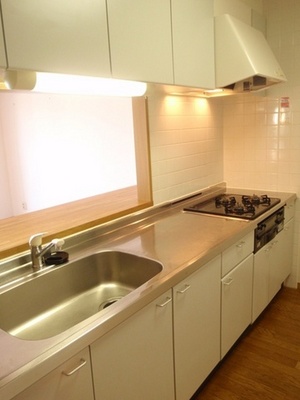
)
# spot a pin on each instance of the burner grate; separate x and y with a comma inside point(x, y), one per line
point(236, 205)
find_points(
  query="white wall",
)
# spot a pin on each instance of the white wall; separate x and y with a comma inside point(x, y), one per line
point(5, 198)
point(62, 148)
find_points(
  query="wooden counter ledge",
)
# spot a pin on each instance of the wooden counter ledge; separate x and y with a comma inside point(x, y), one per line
point(66, 219)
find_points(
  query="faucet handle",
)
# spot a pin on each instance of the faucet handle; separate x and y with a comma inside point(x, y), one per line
point(36, 240)
point(58, 243)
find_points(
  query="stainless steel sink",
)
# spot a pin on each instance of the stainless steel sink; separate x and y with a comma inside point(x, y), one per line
point(51, 303)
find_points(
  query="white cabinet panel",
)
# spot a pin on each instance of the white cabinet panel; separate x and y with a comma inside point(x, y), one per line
point(281, 258)
point(236, 303)
point(236, 8)
point(134, 361)
point(193, 43)
point(272, 265)
point(237, 252)
point(289, 210)
point(196, 328)
point(261, 281)
point(68, 36)
point(2, 48)
point(140, 40)
point(71, 381)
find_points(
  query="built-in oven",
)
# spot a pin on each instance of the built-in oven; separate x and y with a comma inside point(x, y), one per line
point(268, 228)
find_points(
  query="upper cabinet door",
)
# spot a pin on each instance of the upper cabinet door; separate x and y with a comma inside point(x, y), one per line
point(68, 36)
point(140, 40)
point(193, 43)
point(2, 48)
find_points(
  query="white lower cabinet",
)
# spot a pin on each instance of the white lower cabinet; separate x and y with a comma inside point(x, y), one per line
point(71, 381)
point(196, 328)
point(283, 253)
point(134, 361)
point(236, 303)
point(272, 265)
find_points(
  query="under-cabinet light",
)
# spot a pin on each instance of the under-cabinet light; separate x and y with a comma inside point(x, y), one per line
point(77, 84)
point(44, 82)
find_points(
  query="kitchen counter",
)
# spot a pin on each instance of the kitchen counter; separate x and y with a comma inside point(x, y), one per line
point(168, 234)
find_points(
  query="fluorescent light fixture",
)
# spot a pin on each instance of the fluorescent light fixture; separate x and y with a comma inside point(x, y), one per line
point(213, 91)
point(206, 93)
point(77, 84)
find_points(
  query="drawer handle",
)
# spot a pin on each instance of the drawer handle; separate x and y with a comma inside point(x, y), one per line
point(228, 282)
point(241, 244)
point(82, 364)
point(168, 300)
point(186, 287)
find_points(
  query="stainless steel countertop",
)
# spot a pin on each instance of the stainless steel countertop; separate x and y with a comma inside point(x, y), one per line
point(181, 241)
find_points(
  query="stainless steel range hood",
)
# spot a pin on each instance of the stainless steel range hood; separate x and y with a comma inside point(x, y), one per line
point(243, 57)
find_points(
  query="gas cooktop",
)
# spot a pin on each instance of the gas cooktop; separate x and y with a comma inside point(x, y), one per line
point(236, 205)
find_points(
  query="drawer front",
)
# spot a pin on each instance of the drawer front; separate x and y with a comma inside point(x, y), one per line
point(237, 252)
point(289, 210)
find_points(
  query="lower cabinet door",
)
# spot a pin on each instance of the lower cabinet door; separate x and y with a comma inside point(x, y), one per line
point(261, 277)
point(134, 361)
point(71, 381)
point(236, 303)
point(196, 328)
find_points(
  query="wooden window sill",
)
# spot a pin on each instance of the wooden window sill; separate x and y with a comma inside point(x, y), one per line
point(67, 219)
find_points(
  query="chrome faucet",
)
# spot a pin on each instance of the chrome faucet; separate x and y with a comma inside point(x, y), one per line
point(38, 252)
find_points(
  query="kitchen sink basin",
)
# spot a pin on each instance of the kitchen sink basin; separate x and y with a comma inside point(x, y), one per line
point(53, 302)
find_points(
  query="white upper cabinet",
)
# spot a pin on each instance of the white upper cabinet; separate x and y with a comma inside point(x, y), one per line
point(193, 43)
point(236, 8)
point(140, 40)
point(2, 48)
point(68, 36)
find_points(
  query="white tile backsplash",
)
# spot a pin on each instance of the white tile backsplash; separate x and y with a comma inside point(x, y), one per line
point(186, 145)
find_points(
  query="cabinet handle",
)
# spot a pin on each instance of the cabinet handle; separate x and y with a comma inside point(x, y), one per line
point(168, 300)
point(186, 287)
point(268, 249)
point(229, 282)
point(241, 244)
point(82, 364)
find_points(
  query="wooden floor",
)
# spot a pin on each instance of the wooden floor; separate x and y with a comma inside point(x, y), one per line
point(265, 364)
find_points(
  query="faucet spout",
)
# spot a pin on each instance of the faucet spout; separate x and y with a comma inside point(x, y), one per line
point(38, 252)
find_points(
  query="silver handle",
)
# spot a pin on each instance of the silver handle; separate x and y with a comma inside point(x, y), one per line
point(241, 244)
point(268, 248)
point(82, 364)
point(229, 282)
point(186, 287)
point(168, 300)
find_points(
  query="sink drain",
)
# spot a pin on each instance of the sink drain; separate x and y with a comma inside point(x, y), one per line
point(109, 302)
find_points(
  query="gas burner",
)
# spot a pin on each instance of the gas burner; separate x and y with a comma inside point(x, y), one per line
point(240, 209)
point(225, 201)
point(236, 205)
point(256, 200)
